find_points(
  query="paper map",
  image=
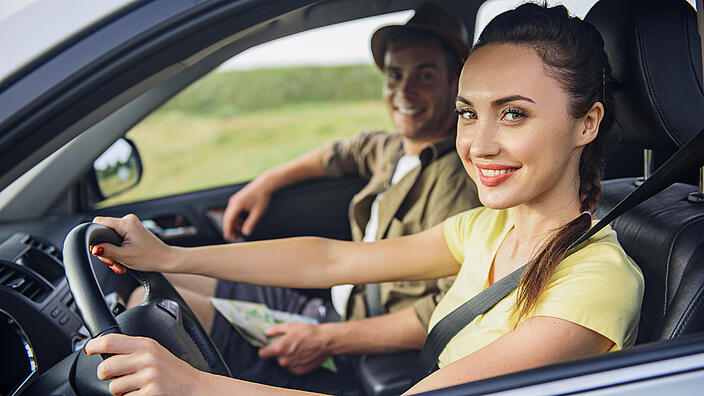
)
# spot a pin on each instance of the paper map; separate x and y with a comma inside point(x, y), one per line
point(252, 320)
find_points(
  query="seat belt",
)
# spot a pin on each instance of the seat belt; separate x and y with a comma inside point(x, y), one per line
point(450, 325)
point(372, 297)
point(372, 291)
point(687, 157)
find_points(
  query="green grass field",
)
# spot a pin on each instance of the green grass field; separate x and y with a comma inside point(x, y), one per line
point(184, 152)
point(233, 93)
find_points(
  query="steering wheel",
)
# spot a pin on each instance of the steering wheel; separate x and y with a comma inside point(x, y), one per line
point(163, 314)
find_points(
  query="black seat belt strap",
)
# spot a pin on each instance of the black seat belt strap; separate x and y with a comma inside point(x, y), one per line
point(687, 157)
point(450, 325)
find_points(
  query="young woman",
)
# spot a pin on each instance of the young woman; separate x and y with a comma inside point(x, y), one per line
point(533, 95)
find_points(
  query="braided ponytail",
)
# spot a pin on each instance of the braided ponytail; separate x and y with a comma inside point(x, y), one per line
point(573, 53)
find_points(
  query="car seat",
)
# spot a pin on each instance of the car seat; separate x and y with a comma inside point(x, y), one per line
point(653, 47)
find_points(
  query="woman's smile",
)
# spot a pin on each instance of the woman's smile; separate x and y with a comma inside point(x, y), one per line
point(492, 175)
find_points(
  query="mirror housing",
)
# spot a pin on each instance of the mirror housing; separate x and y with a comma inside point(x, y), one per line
point(117, 170)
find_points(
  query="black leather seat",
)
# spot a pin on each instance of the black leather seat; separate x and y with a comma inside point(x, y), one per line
point(654, 50)
point(665, 236)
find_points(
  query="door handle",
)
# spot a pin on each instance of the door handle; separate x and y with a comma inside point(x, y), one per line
point(170, 227)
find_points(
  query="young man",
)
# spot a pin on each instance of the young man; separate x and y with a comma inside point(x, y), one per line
point(416, 180)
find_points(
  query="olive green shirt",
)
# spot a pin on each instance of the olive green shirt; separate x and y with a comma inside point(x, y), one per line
point(427, 195)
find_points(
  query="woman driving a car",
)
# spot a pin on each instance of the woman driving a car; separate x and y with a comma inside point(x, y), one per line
point(534, 94)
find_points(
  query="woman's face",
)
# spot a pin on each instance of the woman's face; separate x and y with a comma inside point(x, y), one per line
point(514, 134)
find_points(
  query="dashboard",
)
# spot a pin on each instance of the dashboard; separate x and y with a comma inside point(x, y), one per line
point(39, 321)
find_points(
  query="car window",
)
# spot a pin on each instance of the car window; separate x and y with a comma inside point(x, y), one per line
point(262, 108)
point(492, 8)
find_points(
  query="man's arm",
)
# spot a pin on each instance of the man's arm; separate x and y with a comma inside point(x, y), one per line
point(353, 156)
point(304, 347)
point(253, 200)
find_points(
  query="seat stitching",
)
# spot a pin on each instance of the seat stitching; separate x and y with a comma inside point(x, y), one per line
point(683, 320)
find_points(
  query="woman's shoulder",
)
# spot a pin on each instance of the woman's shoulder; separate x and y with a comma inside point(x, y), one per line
point(603, 255)
point(598, 287)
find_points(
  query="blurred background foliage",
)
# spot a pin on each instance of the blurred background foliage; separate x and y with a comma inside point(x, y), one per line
point(230, 126)
point(231, 93)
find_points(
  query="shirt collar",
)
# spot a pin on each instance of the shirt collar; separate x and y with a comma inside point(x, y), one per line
point(437, 149)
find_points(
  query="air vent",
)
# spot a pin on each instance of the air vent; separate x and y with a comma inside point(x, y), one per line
point(42, 258)
point(43, 246)
point(21, 281)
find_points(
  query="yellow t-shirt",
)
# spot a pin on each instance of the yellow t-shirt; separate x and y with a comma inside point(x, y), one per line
point(598, 287)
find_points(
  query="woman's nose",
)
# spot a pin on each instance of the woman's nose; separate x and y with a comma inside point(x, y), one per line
point(482, 140)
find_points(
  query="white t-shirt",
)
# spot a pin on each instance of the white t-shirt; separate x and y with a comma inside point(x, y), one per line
point(341, 293)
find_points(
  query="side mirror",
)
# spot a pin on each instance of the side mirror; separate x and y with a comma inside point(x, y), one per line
point(117, 170)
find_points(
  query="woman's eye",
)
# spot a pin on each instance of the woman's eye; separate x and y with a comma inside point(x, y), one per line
point(465, 114)
point(426, 76)
point(512, 114)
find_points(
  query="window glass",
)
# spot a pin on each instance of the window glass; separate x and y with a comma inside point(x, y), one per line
point(262, 108)
point(492, 8)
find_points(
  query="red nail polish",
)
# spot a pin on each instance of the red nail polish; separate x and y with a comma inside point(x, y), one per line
point(84, 349)
point(99, 251)
point(115, 270)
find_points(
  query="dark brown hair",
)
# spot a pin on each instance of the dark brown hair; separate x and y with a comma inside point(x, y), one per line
point(573, 52)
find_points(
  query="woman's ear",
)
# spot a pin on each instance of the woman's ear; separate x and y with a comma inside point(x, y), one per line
point(590, 124)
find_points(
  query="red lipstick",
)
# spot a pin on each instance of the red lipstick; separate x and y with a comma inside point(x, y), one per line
point(492, 175)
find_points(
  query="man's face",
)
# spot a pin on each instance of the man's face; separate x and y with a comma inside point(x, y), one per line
point(418, 93)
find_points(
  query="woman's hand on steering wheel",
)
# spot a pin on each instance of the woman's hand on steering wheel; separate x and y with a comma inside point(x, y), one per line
point(140, 250)
point(142, 366)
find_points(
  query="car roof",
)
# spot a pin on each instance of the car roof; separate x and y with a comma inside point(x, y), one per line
point(43, 25)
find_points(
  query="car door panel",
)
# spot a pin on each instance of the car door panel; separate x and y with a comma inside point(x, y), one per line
point(317, 208)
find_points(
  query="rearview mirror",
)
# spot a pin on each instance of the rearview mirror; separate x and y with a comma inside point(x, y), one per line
point(118, 169)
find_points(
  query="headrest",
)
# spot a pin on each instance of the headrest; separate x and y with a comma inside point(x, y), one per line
point(654, 51)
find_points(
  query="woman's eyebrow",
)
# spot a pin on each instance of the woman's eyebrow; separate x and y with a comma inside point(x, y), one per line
point(498, 102)
point(512, 98)
point(463, 100)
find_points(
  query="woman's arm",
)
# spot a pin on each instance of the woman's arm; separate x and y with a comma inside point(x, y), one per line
point(293, 262)
point(538, 341)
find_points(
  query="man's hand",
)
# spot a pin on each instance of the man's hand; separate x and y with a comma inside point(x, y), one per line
point(301, 347)
point(245, 208)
